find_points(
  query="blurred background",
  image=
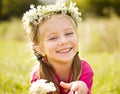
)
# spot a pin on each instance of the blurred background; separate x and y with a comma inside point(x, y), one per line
point(99, 44)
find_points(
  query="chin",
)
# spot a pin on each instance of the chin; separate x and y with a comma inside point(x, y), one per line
point(65, 60)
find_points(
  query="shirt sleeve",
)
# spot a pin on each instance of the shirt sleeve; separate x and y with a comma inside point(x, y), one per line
point(34, 74)
point(87, 75)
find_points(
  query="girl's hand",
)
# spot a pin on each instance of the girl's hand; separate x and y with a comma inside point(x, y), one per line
point(79, 87)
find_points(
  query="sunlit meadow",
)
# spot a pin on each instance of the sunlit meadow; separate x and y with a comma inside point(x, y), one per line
point(99, 43)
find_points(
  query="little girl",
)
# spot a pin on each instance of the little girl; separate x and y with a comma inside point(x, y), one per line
point(52, 31)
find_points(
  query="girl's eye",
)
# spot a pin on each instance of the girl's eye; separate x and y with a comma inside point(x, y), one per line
point(70, 33)
point(52, 38)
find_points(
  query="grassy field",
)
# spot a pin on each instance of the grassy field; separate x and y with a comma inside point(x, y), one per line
point(99, 45)
point(14, 68)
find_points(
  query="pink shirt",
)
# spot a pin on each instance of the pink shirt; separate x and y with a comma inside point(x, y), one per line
point(86, 76)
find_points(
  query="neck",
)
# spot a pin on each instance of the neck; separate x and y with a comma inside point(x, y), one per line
point(62, 69)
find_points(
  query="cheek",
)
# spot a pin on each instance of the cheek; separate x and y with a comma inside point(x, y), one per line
point(75, 42)
point(48, 47)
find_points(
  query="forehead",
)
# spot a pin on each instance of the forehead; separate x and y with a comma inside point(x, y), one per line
point(57, 22)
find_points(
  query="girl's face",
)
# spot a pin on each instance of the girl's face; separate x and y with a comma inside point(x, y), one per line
point(58, 39)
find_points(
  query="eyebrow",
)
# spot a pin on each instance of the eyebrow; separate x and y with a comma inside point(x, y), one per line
point(53, 33)
point(69, 29)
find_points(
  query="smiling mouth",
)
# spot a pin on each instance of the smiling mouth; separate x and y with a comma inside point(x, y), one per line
point(66, 50)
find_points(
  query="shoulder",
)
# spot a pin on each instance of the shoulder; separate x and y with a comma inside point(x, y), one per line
point(86, 66)
point(87, 75)
point(34, 73)
point(87, 71)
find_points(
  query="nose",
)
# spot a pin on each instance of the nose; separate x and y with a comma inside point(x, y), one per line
point(63, 41)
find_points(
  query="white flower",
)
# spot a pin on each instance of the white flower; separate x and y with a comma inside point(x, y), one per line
point(42, 87)
point(35, 15)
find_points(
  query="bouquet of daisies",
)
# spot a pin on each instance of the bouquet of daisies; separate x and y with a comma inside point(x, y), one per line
point(42, 87)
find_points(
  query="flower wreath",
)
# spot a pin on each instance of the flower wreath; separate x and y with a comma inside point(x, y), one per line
point(36, 15)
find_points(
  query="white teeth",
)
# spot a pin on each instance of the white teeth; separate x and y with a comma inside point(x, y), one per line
point(65, 50)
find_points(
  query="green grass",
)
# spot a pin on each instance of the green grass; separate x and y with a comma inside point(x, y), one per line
point(100, 34)
point(14, 67)
point(106, 72)
point(99, 45)
point(12, 30)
